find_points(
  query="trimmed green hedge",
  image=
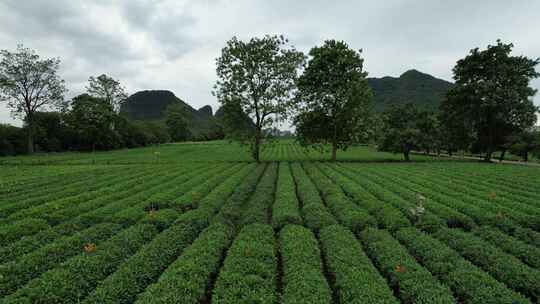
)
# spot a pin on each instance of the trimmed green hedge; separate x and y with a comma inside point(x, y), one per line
point(414, 283)
point(71, 281)
point(502, 266)
point(346, 212)
point(231, 212)
point(286, 208)
point(303, 278)
point(147, 264)
point(257, 209)
point(469, 284)
point(354, 278)
point(186, 280)
point(386, 215)
point(18, 272)
point(249, 273)
point(530, 255)
point(314, 212)
point(27, 244)
point(13, 232)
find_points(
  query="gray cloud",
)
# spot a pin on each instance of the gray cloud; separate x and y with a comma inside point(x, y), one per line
point(168, 44)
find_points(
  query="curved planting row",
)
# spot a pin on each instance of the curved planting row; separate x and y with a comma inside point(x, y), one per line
point(231, 212)
point(16, 273)
point(354, 278)
point(468, 283)
point(32, 240)
point(257, 210)
point(386, 215)
point(502, 266)
point(434, 215)
point(412, 282)
point(528, 254)
point(286, 207)
point(453, 217)
point(17, 191)
point(314, 212)
point(96, 191)
point(54, 197)
point(147, 264)
point(69, 282)
point(303, 278)
point(249, 272)
point(185, 280)
point(345, 211)
point(423, 219)
point(486, 201)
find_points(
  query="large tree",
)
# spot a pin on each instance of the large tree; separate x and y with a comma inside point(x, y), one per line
point(107, 88)
point(91, 118)
point(401, 132)
point(493, 94)
point(258, 77)
point(176, 121)
point(334, 98)
point(30, 84)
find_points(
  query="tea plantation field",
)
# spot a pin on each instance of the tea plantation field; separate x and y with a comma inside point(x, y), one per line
point(199, 223)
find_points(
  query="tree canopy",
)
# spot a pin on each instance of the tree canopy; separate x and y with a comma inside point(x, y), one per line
point(175, 119)
point(107, 88)
point(29, 84)
point(492, 95)
point(259, 77)
point(334, 99)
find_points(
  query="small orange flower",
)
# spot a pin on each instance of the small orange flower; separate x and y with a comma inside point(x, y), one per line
point(90, 247)
point(400, 268)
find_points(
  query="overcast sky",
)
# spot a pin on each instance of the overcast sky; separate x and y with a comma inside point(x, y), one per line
point(172, 45)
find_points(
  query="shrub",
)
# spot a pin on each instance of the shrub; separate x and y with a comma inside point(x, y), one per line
point(258, 207)
point(303, 278)
point(386, 215)
point(469, 283)
point(249, 271)
point(354, 277)
point(71, 281)
point(285, 209)
point(18, 272)
point(414, 283)
point(504, 267)
point(12, 232)
point(315, 213)
point(186, 280)
point(347, 213)
point(530, 255)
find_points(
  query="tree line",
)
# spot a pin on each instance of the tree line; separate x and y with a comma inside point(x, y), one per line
point(326, 96)
point(264, 81)
point(34, 92)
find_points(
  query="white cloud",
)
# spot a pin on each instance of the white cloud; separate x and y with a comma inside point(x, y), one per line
point(172, 45)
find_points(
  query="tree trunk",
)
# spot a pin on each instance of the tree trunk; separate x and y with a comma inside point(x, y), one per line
point(489, 153)
point(334, 141)
point(525, 156)
point(406, 153)
point(334, 151)
point(501, 157)
point(450, 153)
point(257, 146)
point(30, 133)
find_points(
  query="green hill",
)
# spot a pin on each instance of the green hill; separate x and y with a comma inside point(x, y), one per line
point(151, 106)
point(412, 86)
